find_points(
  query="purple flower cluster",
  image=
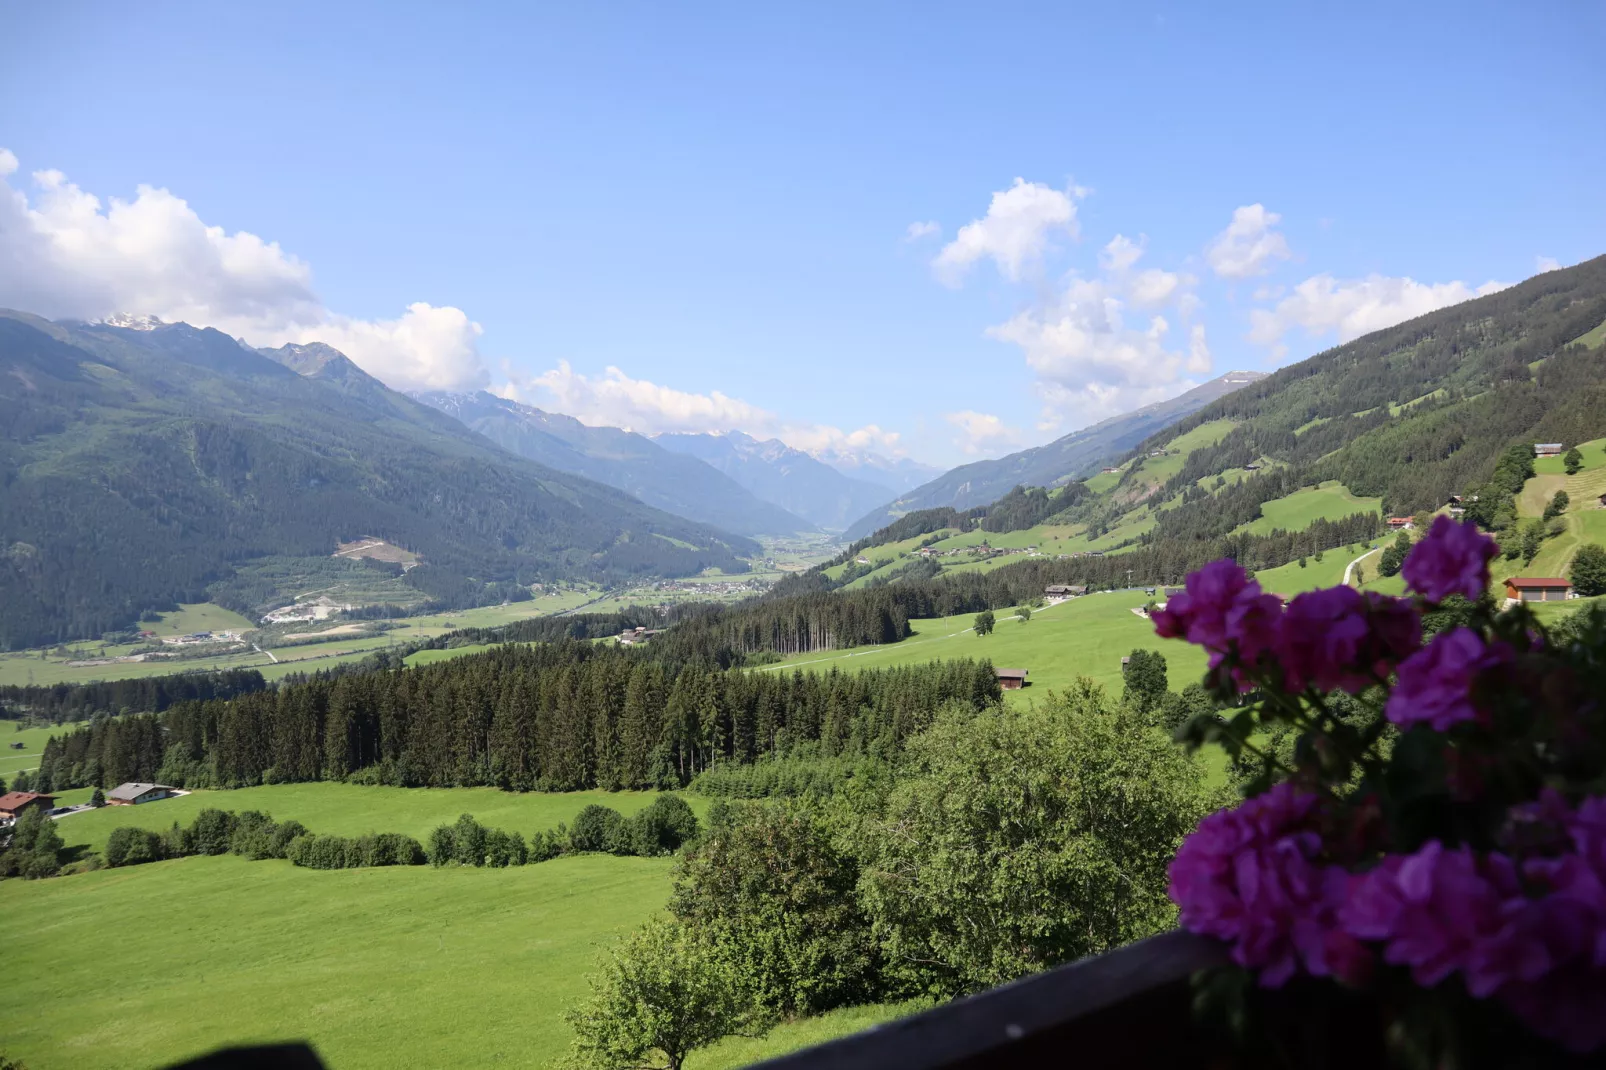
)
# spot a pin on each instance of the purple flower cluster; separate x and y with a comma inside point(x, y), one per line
point(1251, 876)
point(1328, 639)
point(1452, 559)
point(1340, 639)
point(1529, 933)
point(1436, 685)
point(1300, 883)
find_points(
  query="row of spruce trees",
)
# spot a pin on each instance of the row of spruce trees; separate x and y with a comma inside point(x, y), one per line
point(558, 717)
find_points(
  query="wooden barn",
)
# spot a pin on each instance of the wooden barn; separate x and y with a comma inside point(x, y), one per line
point(1538, 589)
point(13, 804)
point(1011, 679)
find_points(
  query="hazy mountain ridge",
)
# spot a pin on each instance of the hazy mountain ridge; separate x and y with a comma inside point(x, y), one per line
point(664, 479)
point(780, 474)
point(144, 464)
point(1070, 457)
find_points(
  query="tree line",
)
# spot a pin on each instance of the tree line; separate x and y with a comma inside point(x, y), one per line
point(559, 716)
point(73, 702)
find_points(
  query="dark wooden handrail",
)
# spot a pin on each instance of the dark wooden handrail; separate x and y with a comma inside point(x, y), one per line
point(1131, 1007)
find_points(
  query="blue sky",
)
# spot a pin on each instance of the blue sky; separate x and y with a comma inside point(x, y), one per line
point(716, 200)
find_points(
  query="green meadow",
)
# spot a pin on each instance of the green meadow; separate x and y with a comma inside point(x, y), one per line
point(377, 968)
point(1298, 511)
point(1081, 637)
point(353, 809)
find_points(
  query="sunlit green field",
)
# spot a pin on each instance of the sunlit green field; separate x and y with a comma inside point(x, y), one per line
point(352, 809)
point(1290, 579)
point(1082, 637)
point(15, 760)
point(1297, 511)
point(378, 968)
point(396, 967)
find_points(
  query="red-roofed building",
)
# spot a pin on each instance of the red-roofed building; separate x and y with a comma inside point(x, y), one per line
point(1401, 523)
point(1538, 589)
point(14, 803)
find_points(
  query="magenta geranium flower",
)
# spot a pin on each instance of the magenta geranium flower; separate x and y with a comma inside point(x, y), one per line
point(1440, 910)
point(1453, 559)
point(1199, 614)
point(1436, 683)
point(1339, 638)
point(1223, 610)
point(1252, 876)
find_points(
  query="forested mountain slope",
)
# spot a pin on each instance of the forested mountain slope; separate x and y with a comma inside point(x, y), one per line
point(136, 466)
point(663, 479)
point(1411, 414)
point(785, 476)
point(1071, 457)
point(1293, 465)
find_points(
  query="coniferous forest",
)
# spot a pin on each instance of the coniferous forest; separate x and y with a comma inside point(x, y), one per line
point(553, 717)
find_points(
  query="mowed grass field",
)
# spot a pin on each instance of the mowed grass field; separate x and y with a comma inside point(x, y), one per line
point(1298, 511)
point(14, 761)
point(1081, 637)
point(377, 968)
point(353, 809)
point(1290, 579)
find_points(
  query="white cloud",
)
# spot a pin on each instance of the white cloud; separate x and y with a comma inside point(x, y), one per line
point(65, 254)
point(1090, 361)
point(917, 231)
point(614, 399)
point(1249, 245)
point(1121, 253)
point(982, 433)
point(1353, 307)
point(1014, 233)
point(1092, 355)
point(1543, 264)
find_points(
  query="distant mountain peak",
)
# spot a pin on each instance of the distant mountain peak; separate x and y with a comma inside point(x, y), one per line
point(132, 321)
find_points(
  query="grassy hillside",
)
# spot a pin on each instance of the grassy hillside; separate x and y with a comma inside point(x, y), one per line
point(1585, 517)
point(1298, 511)
point(1081, 637)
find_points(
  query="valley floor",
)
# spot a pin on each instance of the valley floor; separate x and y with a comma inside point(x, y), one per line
point(377, 968)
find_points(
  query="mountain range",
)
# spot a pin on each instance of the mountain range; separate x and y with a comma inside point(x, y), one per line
point(786, 476)
point(1071, 457)
point(666, 479)
point(138, 464)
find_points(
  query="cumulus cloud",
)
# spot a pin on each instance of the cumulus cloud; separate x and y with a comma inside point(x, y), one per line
point(1353, 307)
point(1100, 345)
point(66, 254)
point(1543, 264)
point(1121, 253)
point(614, 399)
point(917, 231)
point(1015, 232)
point(1249, 246)
point(982, 434)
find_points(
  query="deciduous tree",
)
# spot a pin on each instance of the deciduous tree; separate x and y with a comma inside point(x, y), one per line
point(661, 994)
